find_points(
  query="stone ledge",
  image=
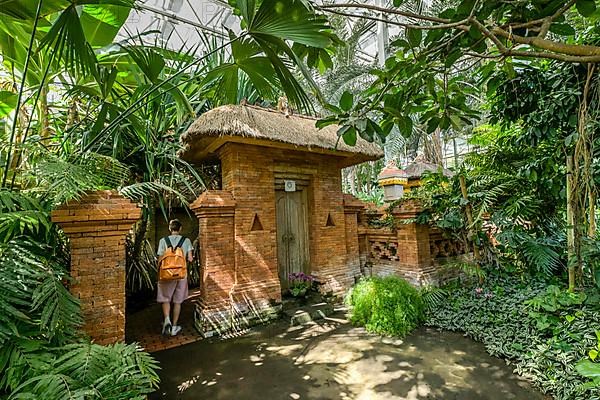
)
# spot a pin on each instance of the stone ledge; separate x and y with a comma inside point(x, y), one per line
point(220, 322)
point(214, 199)
point(307, 314)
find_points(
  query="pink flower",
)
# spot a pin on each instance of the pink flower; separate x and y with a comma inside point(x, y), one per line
point(478, 290)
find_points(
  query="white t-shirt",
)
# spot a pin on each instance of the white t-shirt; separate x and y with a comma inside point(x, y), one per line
point(174, 239)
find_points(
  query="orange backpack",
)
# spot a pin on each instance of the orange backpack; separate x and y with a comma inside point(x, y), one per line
point(173, 264)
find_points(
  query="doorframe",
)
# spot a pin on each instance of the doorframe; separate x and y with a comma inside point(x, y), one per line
point(304, 181)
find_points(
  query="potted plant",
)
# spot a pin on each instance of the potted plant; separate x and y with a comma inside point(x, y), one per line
point(300, 283)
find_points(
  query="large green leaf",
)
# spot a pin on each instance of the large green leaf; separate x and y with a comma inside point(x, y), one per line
point(414, 36)
point(562, 29)
point(244, 8)
point(346, 101)
point(261, 74)
point(247, 59)
point(226, 77)
point(8, 102)
point(25, 9)
point(586, 7)
point(67, 40)
point(348, 133)
point(405, 125)
point(149, 61)
point(292, 88)
point(291, 20)
point(588, 369)
point(101, 23)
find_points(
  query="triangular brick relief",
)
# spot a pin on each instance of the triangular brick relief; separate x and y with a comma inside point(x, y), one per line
point(329, 220)
point(256, 224)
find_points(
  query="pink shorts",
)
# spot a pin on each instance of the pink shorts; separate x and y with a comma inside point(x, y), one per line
point(172, 291)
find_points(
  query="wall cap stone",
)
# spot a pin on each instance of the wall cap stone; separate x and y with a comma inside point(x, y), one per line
point(214, 199)
point(102, 207)
point(352, 204)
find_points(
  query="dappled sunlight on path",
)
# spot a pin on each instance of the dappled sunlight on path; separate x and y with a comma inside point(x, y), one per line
point(333, 360)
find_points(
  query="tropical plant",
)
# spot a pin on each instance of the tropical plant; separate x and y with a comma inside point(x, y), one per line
point(80, 112)
point(588, 368)
point(545, 345)
point(299, 283)
point(388, 306)
point(42, 354)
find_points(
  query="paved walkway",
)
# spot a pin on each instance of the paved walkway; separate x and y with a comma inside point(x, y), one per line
point(145, 326)
point(333, 360)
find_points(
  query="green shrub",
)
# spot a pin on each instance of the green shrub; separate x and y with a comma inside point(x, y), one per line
point(387, 306)
point(542, 330)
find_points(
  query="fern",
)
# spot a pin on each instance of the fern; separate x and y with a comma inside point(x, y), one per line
point(42, 355)
point(21, 215)
point(87, 370)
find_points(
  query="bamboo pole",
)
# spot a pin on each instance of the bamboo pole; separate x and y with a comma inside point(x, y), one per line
point(592, 212)
point(571, 256)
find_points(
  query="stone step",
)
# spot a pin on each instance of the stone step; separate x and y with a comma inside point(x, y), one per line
point(309, 313)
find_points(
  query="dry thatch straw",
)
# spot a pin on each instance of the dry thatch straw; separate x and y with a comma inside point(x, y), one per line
point(416, 169)
point(270, 126)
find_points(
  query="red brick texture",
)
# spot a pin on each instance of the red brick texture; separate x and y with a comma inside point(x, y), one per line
point(96, 226)
point(240, 263)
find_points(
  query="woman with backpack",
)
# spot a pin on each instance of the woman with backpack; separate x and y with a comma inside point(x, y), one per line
point(173, 253)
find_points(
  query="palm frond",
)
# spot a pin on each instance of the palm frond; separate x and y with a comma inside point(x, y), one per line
point(21, 215)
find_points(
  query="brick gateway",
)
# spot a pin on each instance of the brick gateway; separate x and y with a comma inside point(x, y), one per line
point(280, 210)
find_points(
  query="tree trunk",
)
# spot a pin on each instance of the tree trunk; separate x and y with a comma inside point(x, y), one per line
point(43, 113)
point(471, 227)
point(455, 152)
point(432, 149)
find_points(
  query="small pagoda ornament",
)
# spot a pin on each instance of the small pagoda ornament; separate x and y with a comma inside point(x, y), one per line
point(393, 180)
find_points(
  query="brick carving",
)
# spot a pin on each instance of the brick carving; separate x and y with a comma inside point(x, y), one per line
point(384, 250)
point(446, 248)
point(411, 250)
point(96, 226)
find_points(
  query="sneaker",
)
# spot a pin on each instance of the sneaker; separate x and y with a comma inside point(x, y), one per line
point(175, 330)
point(166, 328)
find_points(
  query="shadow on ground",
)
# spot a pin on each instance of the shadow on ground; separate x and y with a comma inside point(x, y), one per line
point(333, 360)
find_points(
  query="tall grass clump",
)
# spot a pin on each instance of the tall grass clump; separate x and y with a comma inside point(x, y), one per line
point(387, 306)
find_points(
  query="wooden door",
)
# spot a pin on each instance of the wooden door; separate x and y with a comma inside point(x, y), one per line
point(292, 233)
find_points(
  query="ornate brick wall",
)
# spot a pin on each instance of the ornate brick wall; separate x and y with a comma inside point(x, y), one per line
point(96, 226)
point(352, 208)
point(414, 251)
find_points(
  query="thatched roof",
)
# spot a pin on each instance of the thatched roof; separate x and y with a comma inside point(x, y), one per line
point(416, 169)
point(267, 127)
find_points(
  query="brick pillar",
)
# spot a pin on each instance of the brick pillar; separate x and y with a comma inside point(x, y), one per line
point(227, 302)
point(415, 263)
point(352, 207)
point(215, 210)
point(96, 226)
